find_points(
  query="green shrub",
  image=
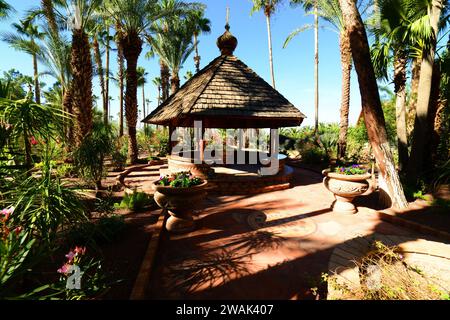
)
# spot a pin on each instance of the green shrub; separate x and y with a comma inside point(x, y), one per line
point(91, 233)
point(91, 153)
point(135, 201)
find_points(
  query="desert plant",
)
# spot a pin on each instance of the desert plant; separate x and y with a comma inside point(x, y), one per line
point(135, 201)
point(90, 155)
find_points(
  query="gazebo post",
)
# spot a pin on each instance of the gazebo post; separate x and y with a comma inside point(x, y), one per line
point(202, 145)
point(171, 130)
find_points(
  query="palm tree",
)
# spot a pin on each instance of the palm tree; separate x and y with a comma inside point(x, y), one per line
point(5, 9)
point(370, 100)
point(120, 76)
point(200, 25)
point(421, 132)
point(395, 46)
point(24, 39)
point(157, 82)
point(268, 6)
point(308, 5)
point(132, 17)
point(173, 47)
point(50, 17)
point(79, 15)
point(142, 80)
point(100, 71)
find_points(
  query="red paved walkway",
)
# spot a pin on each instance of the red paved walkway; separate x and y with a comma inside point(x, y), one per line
point(267, 246)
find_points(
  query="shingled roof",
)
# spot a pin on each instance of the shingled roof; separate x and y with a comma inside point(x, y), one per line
point(226, 94)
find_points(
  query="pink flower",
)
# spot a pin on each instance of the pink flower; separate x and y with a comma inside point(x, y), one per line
point(7, 212)
point(64, 269)
point(70, 255)
point(18, 230)
point(80, 250)
point(33, 141)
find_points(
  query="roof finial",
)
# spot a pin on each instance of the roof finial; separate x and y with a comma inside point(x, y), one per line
point(227, 25)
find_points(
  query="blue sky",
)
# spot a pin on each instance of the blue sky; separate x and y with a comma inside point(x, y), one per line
point(294, 66)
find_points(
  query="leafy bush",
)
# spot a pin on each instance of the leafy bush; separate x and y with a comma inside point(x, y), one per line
point(135, 201)
point(351, 170)
point(119, 159)
point(90, 233)
point(155, 141)
point(91, 153)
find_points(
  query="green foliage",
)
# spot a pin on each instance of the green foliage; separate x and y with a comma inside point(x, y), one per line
point(89, 233)
point(135, 201)
point(90, 155)
point(155, 141)
point(180, 180)
point(351, 170)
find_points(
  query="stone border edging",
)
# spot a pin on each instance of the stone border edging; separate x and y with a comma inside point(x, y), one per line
point(142, 281)
point(390, 215)
point(120, 178)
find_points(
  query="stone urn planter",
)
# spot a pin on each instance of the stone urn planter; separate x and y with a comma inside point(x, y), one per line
point(180, 204)
point(346, 187)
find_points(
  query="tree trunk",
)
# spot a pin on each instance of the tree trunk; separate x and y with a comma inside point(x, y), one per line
point(370, 100)
point(400, 62)
point(37, 87)
point(196, 57)
point(49, 13)
point(435, 111)
point(415, 76)
point(269, 36)
point(98, 61)
point(107, 72)
point(67, 106)
point(132, 47)
point(174, 82)
point(421, 130)
point(143, 101)
point(346, 65)
point(120, 63)
point(316, 69)
point(164, 70)
point(81, 84)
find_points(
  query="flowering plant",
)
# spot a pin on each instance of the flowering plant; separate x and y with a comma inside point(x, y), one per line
point(351, 170)
point(180, 180)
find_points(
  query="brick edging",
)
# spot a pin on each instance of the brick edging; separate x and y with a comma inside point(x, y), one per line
point(139, 291)
point(120, 178)
point(390, 216)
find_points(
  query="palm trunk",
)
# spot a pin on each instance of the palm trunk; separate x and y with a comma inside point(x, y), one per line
point(164, 70)
point(269, 36)
point(107, 71)
point(67, 106)
point(47, 7)
point(37, 88)
point(81, 84)
point(400, 107)
point(316, 69)
point(174, 82)
point(346, 64)
point(435, 111)
point(370, 100)
point(196, 57)
point(415, 76)
point(143, 101)
point(98, 61)
point(120, 63)
point(132, 47)
point(421, 130)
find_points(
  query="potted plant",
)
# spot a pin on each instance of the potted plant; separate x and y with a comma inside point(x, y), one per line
point(180, 193)
point(346, 183)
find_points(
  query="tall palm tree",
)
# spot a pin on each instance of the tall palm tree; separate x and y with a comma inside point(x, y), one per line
point(420, 135)
point(142, 80)
point(79, 14)
point(50, 17)
point(96, 31)
point(133, 17)
point(173, 47)
point(24, 39)
point(157, 82)
point(309, 5)
point(268, 6)
point(394, 46)
point(200, 25)
point(120, 75)
point(370, 100)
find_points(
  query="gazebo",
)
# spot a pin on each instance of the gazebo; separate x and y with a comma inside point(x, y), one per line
point(227, 94)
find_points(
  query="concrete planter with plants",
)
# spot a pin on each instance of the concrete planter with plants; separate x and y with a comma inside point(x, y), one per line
point(180, 194)
point(346, 183)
